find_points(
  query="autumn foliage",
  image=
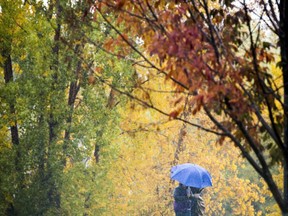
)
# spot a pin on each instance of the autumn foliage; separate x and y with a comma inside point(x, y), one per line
point(151, 144)
point(218, 56)
point(100, 98)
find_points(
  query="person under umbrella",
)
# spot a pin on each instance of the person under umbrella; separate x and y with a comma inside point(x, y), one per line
point(188, 201)
point(197, 202)
point(182, 201)
point(192, 180)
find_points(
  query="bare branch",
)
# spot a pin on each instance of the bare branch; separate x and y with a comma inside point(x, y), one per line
point(235, 140)
point(273, 132)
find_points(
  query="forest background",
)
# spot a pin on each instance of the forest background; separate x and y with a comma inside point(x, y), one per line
point(91, 123)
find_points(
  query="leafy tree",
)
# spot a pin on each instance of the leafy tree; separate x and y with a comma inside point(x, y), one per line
point(150, 144)
point(218, 55)
point(54, 110)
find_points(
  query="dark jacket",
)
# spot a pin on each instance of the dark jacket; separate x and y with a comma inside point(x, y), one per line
point(182, 204)
point(188, 206)
point(197, 203)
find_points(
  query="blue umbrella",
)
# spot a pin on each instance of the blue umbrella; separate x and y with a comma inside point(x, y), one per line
point(191, 175)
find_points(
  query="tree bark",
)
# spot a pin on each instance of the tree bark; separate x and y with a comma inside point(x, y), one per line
point(53, 192)
point(8, 76)
point(73, 91)
point(283, 38)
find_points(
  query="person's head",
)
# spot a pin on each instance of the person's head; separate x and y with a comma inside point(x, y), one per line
point(197, 190)
point(182, 185)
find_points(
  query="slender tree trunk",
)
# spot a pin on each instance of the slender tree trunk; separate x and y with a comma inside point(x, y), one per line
point(53, 192)
point(283, 36)
point(73, 91)
point(8, 76)
point(180, 147)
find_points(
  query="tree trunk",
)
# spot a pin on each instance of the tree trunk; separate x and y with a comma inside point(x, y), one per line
point(283, 38)
point(8, 76)
point(53, 191)
point(73, 91)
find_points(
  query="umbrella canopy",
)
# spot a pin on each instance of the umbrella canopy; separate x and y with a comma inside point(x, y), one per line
point(191, 175)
